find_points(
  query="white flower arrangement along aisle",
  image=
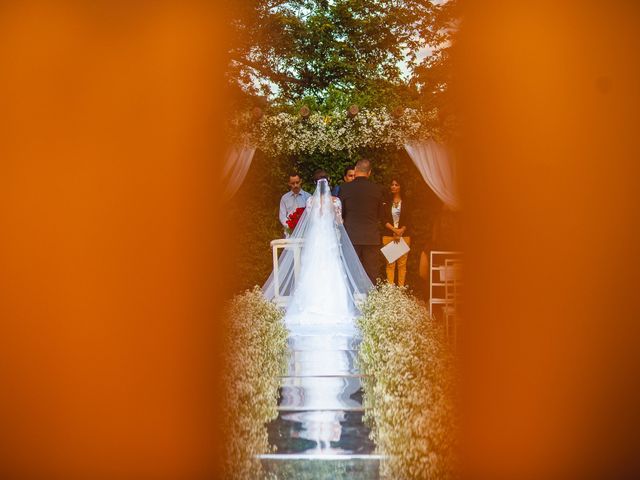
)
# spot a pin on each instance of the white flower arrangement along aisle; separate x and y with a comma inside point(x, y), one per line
point(256, 357)
point(409, 386)
point(341, 130)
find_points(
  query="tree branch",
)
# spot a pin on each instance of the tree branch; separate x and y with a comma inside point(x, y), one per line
point(268, 72)
point(276, 4)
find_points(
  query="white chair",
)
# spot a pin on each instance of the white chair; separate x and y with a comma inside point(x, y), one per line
point(439, 274)
point(452, 287)
point(281, 243)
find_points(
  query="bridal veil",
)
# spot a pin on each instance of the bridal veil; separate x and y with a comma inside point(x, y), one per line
point(324, 280)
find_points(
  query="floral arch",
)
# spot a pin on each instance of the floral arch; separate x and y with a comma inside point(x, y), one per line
point(339, 130)
point(349, 130)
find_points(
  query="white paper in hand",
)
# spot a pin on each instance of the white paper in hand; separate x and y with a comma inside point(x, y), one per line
point(393, 251)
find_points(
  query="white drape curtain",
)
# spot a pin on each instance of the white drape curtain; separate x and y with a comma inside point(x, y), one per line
point(237, 162)
point(437, 166)
point(434, 162)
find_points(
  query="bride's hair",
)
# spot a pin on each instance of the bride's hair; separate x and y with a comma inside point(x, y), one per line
point(318, 174)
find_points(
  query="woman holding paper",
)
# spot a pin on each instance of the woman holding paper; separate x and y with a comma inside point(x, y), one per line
point(396, 225)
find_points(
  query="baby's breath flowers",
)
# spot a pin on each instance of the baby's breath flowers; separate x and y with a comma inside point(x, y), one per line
point(257, 355)
point(288, 134)
point(408, 388)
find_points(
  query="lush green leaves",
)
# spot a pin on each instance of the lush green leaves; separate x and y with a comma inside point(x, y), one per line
point(365, 50)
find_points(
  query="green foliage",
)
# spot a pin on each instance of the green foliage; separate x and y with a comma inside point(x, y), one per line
point(409, 386)
point(338, 51)
point(378, 94)
point(257, 354)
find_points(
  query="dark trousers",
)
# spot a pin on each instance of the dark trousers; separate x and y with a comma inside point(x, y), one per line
point(369, 256)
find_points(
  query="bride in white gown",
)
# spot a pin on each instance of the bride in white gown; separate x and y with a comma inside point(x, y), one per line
point(325, 288)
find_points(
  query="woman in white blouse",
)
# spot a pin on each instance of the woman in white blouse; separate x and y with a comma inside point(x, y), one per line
point(397, 220)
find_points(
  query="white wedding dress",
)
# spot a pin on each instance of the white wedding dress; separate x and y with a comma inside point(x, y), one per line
point(325, 288)
point(323, 279)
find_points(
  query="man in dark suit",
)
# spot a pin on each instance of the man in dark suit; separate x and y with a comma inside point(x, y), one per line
point(361, 210)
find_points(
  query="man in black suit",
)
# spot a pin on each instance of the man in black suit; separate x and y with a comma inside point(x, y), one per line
point(361, 210)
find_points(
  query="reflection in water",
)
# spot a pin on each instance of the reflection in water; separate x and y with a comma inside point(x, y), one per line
point(308, 363)
point(319, 432)
point(319, 396)
point(320, 393)
point(321, 427)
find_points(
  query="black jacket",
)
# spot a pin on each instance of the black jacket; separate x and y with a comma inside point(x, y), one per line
point(362, 202)
point(405, 217)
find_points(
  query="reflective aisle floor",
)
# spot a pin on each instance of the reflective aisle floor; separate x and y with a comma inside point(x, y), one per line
point(319, 432)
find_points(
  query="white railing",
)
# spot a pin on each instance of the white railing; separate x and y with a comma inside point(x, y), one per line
point(445, 282)
point(440, 273)
point(295, 244)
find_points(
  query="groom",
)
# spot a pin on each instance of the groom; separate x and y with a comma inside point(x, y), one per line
point(361, 209)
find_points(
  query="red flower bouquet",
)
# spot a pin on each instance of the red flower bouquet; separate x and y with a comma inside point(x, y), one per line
point(293, 219)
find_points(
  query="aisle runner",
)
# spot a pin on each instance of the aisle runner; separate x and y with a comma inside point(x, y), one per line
point(319, 432)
